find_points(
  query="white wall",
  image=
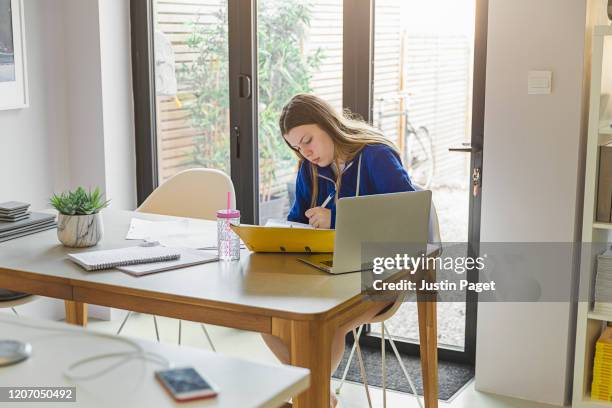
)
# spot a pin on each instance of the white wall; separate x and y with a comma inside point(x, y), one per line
point(117, 103)
point(78, 129)
point(532, 177)
point(85, 123)
point(100, 98)
point(33, 141)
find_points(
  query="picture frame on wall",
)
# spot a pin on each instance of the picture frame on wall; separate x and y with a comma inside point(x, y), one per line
point(13, 73)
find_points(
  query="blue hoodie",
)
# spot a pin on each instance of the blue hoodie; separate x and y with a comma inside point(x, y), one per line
point(381, 172)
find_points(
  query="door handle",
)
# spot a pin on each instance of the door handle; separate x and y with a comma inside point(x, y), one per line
point(244, 86)
point(465, 148)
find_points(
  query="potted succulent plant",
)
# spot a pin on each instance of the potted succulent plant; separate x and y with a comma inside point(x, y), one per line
point(79, 223)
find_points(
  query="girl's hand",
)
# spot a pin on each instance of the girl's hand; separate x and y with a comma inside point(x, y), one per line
point(319, 217)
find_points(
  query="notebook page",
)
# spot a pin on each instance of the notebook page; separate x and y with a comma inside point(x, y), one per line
point(274, 222)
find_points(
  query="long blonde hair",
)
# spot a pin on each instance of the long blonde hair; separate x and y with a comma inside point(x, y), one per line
point(348, 132)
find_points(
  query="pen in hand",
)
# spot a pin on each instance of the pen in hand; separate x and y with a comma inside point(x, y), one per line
point(327, 200)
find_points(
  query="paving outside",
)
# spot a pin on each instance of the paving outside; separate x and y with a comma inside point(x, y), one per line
point(452, 206)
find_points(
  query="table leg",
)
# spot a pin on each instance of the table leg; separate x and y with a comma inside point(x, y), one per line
point(309, 344)
point(76, 312)
point(429, 352)
point(426, 304)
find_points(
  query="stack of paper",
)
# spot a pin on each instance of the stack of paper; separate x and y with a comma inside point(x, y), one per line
point(601, 388)
point(603, 284)
point(34, 223)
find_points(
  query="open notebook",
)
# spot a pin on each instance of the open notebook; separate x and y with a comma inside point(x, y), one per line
point(111, 258)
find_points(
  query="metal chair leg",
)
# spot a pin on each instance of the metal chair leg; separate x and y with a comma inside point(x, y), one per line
point(384, 366)
point(363, 371)
point(14, 311)
point(156, 328)
point(212, 346)
point(401, 363)
point(123, 323)
point(180, 327)
point(350, 359)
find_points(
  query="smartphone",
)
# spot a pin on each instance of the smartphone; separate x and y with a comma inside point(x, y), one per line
point(185, 384)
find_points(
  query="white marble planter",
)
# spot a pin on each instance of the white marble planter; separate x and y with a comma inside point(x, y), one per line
point(79, 231)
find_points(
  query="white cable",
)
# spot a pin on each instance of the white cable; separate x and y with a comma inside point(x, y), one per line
point(127, 356)
point(138, 353)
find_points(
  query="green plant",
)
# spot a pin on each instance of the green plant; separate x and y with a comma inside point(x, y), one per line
point(284, 69)
point(79, 202)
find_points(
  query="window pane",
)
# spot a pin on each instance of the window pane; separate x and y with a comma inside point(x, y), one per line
point(299, 50)
point(192, 91)
point(422, 101)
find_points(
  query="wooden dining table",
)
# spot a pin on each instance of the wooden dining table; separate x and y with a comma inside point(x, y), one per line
point(265, 293)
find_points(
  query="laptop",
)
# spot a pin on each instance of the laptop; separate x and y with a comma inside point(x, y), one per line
point(386, 224)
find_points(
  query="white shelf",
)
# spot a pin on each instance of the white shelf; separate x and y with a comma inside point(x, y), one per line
point(605, 136)
point(587, 402)
point(589, 323)
point(600, 316)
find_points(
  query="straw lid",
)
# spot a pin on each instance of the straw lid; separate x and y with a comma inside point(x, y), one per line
point(225, 213)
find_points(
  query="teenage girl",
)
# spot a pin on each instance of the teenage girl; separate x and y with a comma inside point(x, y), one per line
point(340, 156)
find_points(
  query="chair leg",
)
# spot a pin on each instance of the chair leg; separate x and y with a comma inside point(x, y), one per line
point(156, 328)
point(124, 321)
point(363, 371)
point(401, 363)
point(350, 359)
point(384, 366)
point(180, 330)
point(14, 311)
point(212, 346)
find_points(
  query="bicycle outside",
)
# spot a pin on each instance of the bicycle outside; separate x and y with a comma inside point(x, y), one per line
point(415, 143)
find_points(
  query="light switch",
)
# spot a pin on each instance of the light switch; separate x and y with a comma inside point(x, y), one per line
point(539, 82)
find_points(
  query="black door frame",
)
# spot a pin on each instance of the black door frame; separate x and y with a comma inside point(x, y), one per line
point(143, 82)
point(468, 354)
point(242, 44)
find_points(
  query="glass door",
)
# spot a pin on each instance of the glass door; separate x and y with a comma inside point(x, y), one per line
point(299, 50)
point(423, 101)
point(191, 85)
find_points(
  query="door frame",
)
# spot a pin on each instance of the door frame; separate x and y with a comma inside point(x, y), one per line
point(449, 353)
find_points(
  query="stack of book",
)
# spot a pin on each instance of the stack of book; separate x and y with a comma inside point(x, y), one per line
point(14, 211)
point(603, 284)
point(601, 388)
point(16, 221)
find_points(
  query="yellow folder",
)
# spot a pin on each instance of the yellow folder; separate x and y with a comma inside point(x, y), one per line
point(278, 239)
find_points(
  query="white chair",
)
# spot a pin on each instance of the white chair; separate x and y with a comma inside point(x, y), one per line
point(194, 193)
point(434, 239)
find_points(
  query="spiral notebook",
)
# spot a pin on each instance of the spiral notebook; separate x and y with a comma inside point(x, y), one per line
point(111, 258)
